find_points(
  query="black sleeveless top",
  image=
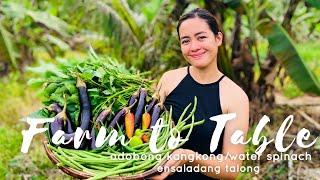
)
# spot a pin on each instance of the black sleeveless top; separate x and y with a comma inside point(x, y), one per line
point(208, 105)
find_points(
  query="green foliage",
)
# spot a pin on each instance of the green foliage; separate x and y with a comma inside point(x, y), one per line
point(277, 171)
point(313, 3)
point(290, 90)
point(7, 51)
point(32, 28)
point(282, 47)
point(105, 78)
point(52, 22)
point(151, 9)
point(17, 100)
point(9, 146)
point(122, 8)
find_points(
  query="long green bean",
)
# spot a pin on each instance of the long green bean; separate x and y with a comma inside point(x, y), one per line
point(75, 164)
point(121, 170)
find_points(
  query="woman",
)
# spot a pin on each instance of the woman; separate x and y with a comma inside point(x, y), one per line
point(200, 38)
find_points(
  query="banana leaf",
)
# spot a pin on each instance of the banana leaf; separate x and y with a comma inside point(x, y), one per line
point(50, 21)
point(283, 49)
point(124, 11)
point(313, 3)
point(6, 47)
point(115, 25)
point(17, 10)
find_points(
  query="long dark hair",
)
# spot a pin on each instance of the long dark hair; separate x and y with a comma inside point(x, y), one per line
point(203, 14)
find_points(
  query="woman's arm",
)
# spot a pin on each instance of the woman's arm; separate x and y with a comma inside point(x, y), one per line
point(237, 102)
point(161, 87)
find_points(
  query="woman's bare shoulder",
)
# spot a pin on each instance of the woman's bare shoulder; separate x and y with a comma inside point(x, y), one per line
point(231, 94)
point(171, 79)
point(175, 73)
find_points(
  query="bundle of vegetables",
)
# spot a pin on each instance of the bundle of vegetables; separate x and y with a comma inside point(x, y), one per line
point(107, 82)
point(97, 93)
point(98, 164)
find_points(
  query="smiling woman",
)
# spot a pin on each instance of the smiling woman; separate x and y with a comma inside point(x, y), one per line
point(200, 38)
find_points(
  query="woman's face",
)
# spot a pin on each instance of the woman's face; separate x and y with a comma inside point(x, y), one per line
point(199, 45)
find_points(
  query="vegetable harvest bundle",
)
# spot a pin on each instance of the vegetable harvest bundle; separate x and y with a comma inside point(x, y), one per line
point(99, 94)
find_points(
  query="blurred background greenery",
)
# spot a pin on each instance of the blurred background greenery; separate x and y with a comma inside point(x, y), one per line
point(271, 48)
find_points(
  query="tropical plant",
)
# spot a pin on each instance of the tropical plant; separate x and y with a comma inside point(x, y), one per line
point(31, 30)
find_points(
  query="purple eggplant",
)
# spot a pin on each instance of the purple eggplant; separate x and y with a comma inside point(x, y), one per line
point(139, 110)
point(156, 113)
point(85, 113)
point(152, 102)
point(121, 113)
point(84, 105)
point(56, 125)
point(60, 121)
point(134, 97)
point(68, 137)
point(93, 138)
point(68, 126)
point(103, 116)
point(54, 107)
point(97, 125)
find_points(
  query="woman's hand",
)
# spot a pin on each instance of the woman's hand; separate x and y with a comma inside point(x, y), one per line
point(172, 163)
